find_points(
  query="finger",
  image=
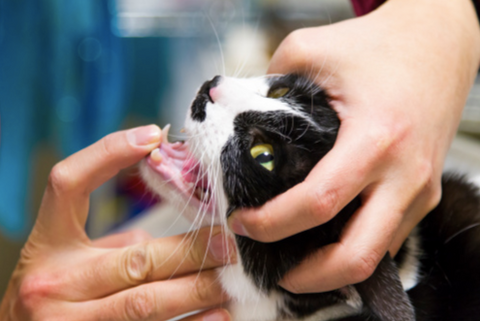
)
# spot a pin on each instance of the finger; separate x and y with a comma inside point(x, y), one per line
point(64, 206)
point(425, 202)
point(363, 244)
point(158, 300)
point(331, 185)
point(154, 260)
point(210, 315)
point(122, 239)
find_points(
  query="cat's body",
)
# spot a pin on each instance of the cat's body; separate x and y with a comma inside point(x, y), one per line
point(289, 119)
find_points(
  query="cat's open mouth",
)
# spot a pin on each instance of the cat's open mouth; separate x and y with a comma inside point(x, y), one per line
point(176, 166)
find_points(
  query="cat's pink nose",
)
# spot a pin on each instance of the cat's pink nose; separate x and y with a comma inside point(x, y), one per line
point(213, 93)
point(212, 88)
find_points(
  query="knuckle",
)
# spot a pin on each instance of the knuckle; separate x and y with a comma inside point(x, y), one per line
point(136, 263)
point(386, 139)
point(33, 289)
point(429, 186)
point(425, 174)
point(322, 205)
point(29, 250)
point(60, 179)
point(140, 305)
point(107, 146)
point(260, 226)
point(363, 265)
point(201, 290)
point(193, 253)
point(296, 40)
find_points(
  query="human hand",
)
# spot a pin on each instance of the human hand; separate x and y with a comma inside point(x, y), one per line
point(398, 78)
point(63, 275)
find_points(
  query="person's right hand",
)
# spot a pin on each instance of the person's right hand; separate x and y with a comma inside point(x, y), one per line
point(398, 79)
point(63, 275)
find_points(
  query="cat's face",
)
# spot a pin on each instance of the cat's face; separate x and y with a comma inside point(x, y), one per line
point(248, 141)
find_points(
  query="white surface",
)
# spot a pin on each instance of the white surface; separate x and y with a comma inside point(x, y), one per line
point(160, 221)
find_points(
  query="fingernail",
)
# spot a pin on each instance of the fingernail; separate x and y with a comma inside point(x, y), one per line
point(221, 247)
point(145, 135)
point(217, 315)
point(156, 156)
point(237, 227)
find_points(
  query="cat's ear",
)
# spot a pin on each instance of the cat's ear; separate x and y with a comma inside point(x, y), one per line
point(383, 296)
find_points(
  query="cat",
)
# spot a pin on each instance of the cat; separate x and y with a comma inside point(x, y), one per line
point(252, 139)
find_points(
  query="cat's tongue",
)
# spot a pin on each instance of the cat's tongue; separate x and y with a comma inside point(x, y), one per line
point(176, 166)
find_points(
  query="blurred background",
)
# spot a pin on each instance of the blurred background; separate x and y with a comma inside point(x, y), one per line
point(73, 71)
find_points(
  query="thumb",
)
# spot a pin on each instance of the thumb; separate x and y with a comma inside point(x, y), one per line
point(65, 203)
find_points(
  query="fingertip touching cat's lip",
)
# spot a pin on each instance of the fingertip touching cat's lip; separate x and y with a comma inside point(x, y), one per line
point(174, 164)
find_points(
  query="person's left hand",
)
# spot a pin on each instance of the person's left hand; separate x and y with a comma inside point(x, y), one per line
point(63, 275)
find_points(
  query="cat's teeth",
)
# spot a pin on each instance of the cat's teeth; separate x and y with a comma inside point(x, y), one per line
point(156, 156)
point(206, 196)
point(165, 131)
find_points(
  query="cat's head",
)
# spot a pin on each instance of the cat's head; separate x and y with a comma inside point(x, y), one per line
point(248, 141)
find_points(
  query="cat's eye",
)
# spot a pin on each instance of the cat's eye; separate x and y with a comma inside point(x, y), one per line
point(278, 92)
point(263, 154)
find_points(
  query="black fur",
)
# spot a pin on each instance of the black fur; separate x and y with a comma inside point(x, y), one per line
point(203, 96)
point(449, 288)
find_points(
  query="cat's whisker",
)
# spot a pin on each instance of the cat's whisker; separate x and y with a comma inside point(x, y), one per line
point(184, 209)
point(192, 234)
point(203, 212)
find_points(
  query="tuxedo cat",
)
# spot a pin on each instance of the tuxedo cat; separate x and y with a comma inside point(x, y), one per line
point(250, 140)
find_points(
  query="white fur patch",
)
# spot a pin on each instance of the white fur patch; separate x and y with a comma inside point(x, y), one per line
point(476, 180)
point(409, 270)
point(249, 302)
point(334, 312)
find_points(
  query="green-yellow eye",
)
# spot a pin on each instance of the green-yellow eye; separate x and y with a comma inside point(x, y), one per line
point(263, 154)
point(278, 92)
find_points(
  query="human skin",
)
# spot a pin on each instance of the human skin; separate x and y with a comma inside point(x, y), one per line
point(398, 78)
point(63, 275)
